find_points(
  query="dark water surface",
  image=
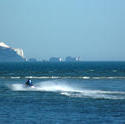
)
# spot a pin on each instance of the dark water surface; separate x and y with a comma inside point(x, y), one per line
point(64, 93)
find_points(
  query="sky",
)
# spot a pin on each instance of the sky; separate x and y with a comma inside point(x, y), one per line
point(91, 29)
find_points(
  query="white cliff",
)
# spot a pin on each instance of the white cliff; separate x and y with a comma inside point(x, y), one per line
point(2, 44)
point(19, 51)
point(8, 54)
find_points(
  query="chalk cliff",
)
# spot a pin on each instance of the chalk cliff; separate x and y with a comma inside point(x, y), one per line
point(8, 54)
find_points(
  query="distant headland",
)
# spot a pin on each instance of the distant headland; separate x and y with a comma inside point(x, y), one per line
point(9, 54)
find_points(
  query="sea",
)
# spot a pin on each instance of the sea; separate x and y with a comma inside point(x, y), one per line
point(63, 93)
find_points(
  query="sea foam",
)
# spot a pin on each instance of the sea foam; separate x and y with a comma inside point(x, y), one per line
point(66, 89)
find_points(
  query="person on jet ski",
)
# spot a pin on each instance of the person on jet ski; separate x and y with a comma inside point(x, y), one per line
point(29, 83)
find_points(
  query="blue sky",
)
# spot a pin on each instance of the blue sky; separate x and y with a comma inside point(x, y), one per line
point(91, 29)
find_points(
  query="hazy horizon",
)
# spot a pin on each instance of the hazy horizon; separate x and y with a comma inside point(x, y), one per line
point(93, 30)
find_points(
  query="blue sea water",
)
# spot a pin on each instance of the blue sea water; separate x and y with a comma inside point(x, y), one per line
point(64, 93)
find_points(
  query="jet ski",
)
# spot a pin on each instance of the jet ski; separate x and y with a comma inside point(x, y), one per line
point(29, 84)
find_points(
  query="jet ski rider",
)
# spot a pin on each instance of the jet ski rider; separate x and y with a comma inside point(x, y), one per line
point(29, 83)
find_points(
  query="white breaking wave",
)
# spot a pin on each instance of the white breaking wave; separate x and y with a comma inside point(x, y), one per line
point(15, 77)
point(64, 77)
point(69, 90)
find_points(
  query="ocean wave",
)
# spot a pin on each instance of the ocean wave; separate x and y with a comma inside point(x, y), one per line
point(63, 77)
point(15, 77)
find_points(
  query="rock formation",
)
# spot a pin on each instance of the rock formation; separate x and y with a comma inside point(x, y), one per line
point(8, 54)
